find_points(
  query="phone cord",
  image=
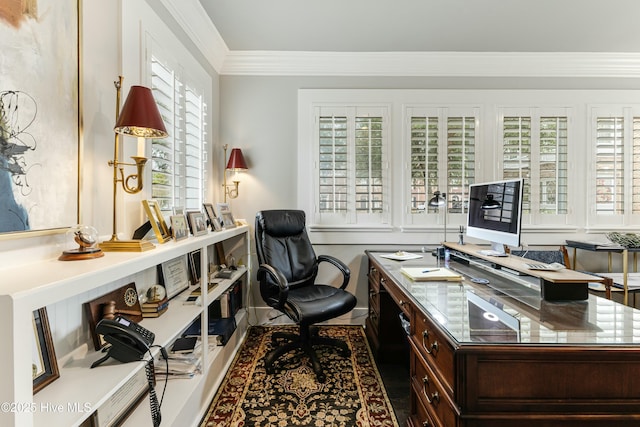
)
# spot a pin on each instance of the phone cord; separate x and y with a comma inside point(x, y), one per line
point(153, 398)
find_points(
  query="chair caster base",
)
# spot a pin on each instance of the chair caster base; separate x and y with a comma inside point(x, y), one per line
point(305, 342)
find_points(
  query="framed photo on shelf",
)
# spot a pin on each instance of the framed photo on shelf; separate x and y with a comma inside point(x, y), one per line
point(226, 217)
point(44, 365)
point(175, 277)
point(211, 216)
point(197, 223)
point(179, 228)
point(152, 209)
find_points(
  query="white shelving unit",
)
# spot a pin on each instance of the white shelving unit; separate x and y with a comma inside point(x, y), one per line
point(28, 288)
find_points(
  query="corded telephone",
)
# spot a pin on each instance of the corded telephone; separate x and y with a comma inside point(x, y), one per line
point(130, 342)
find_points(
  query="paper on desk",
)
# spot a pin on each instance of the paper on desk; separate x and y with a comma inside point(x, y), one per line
point(401, 256)
point(423, 274)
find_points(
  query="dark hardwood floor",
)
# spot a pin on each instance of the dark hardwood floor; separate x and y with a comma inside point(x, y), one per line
point(395, 377)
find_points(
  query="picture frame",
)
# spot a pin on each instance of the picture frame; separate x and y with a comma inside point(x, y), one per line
point(194, 267)
point(174, 276)
point(44, 363)
point(160, 229)
point(211, 216)
point(226, 217)
point(197, 223)
point(179, 230)
point(178, 210)
point(43, 132)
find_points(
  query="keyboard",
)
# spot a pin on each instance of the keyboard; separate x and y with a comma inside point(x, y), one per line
point(548, 267)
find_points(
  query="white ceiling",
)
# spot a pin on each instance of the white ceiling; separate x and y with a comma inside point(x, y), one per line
point(427, 25)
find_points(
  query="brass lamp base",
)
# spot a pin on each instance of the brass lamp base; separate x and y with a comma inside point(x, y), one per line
point(126, 245)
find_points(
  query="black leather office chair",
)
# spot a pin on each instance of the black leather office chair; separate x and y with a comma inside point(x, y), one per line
point(287, 273)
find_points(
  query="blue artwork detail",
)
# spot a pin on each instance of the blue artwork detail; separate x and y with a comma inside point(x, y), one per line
point(15, 141)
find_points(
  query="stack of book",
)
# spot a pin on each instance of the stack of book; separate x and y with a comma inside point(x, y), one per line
point(155, 308)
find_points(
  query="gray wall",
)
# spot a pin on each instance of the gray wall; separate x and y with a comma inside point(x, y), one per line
point(259, 115)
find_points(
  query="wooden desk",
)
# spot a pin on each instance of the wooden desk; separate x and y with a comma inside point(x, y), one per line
point(565, 363)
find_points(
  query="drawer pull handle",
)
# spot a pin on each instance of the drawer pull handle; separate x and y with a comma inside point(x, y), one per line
point(426, 424)
point(401, 303)
point(435, 397)
point(429, 349)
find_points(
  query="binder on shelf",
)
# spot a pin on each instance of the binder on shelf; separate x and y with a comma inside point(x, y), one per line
point(222, 328)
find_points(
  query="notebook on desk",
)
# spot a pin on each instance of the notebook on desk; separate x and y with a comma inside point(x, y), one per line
point(425, 274)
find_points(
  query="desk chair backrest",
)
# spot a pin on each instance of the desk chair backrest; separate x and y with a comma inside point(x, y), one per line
point(282, 242)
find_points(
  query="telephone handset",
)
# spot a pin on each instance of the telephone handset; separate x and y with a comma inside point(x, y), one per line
point(129, 341)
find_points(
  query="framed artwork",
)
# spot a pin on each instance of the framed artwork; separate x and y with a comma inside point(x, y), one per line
point(179, 227)
point(174, 275)
point(226, 217)
point(211, 215)
point(44, 366)
point(156, 219)
point(39, 116)
point(197, 223)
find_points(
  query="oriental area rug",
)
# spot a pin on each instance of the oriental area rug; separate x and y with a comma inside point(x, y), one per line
point(352, 395)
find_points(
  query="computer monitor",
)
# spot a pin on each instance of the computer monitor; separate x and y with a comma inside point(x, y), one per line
point(495, 213)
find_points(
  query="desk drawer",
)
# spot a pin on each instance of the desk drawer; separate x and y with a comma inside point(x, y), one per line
point(420, 416)
point(435, 349)
point(430, 391)
point(374, 278)
point(398, 296)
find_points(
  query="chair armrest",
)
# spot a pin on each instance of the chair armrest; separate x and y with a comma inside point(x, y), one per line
point(278, 277)
point(346, 272)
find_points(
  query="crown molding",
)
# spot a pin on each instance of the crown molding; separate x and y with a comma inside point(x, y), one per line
point(432, 64)
point(195, 22)
point(193, 19)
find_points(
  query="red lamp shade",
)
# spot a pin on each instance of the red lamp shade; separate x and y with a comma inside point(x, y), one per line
point(140, 116)
point(236, 160)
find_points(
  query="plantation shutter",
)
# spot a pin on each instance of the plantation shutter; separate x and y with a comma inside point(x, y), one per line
point(553, 165)
point(609, 165)
point(164, 151)
point(461, 142)
point(333, 164)
point(195, 160)
point(424, 161)
point(636, 166)
point(178, 162)
point(516, 157)
point(368, 164)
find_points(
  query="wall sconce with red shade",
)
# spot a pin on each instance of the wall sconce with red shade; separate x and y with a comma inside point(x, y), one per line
point(236, 164)
point(140, 118)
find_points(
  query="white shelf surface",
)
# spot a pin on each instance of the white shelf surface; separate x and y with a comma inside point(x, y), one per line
point(79, 390)
point(50, 281)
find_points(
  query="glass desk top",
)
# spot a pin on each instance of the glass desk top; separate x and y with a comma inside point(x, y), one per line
point(493, 313)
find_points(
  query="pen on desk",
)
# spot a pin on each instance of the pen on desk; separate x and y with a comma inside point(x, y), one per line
point(429, 270)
